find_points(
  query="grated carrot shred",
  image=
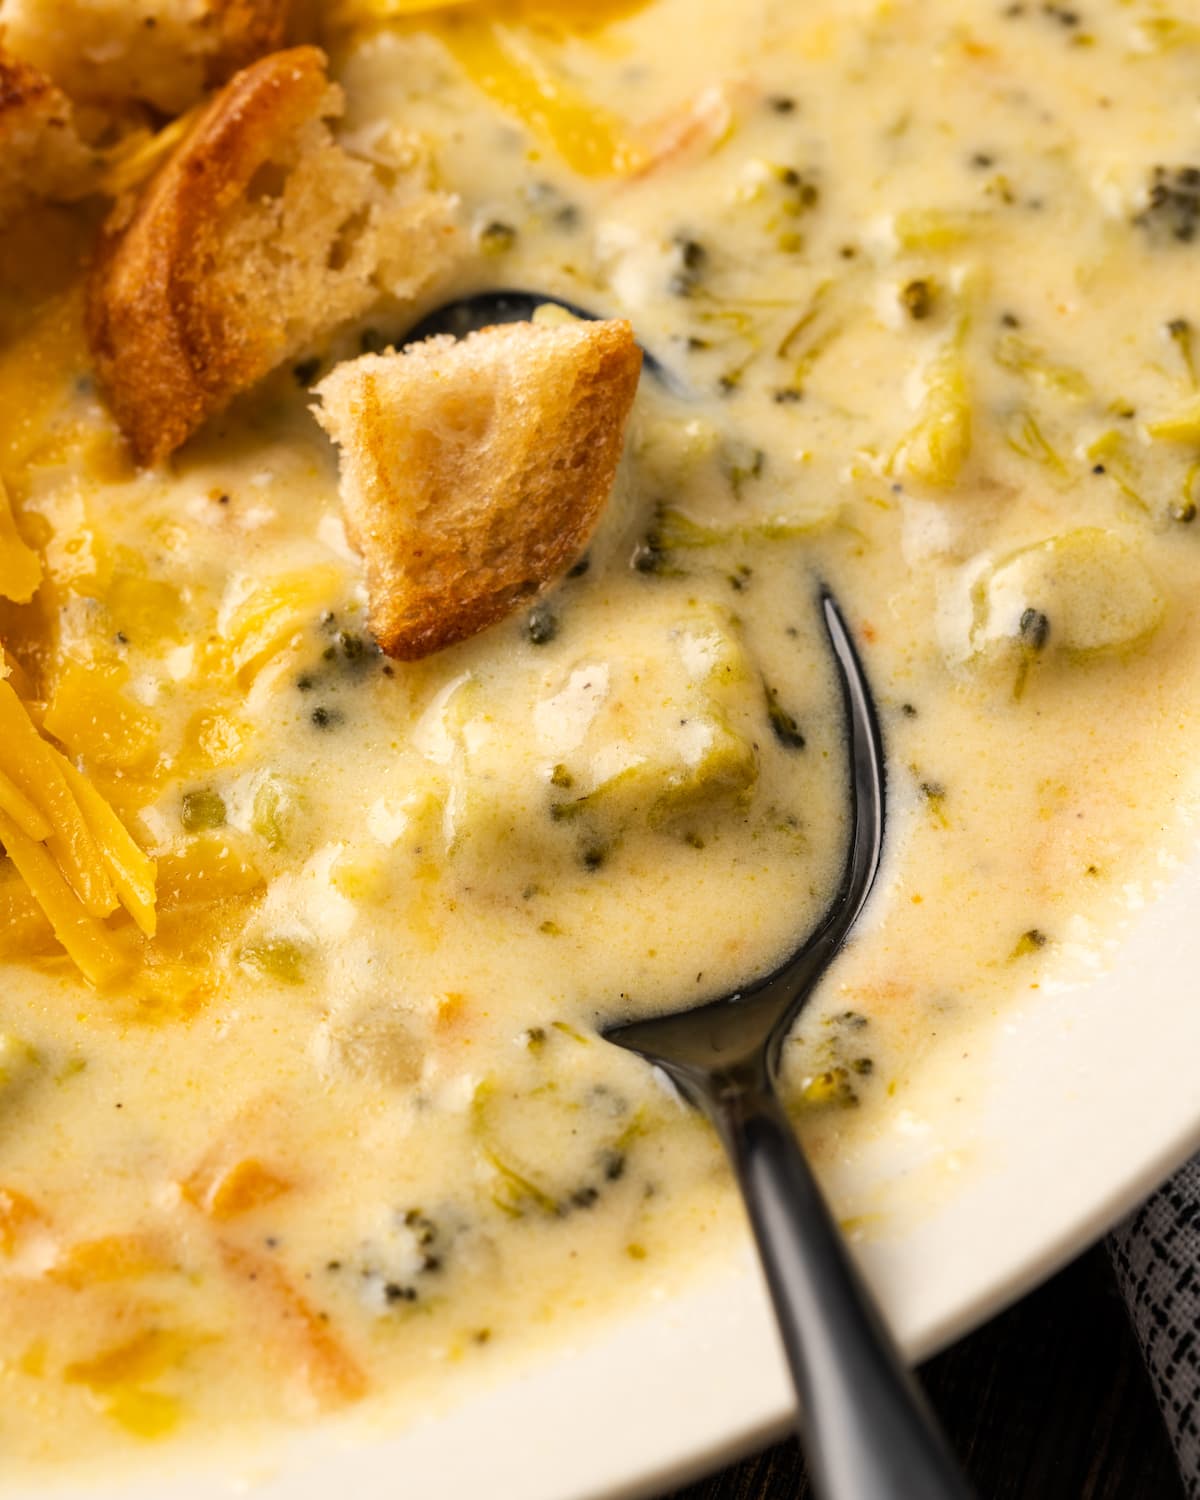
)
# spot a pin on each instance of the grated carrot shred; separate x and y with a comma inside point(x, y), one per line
point(294, 1330)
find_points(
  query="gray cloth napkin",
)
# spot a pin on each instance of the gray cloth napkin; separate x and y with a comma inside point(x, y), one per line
point(1156, 1255)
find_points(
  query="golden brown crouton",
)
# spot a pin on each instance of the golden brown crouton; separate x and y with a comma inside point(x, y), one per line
point(40, 154)
point(474, 473)
point(258, 236)
point(159, 52)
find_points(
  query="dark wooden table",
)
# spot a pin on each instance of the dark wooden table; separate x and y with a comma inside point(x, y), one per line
point(1048, 1402)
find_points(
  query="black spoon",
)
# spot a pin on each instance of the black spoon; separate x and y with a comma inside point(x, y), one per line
point(481, 309)
point(867, 1431)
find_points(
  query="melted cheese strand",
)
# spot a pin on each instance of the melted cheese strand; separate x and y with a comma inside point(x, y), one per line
point(20, 566)
point(142, 152)
point(21, 810)
point(274, 615)
point(498, 60)
point(32, 763)
point(85, 939)
point(24, 927)
point(54, 813)
point(133, 872)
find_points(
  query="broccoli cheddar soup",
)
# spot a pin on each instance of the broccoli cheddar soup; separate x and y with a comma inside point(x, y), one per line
point(305, 946)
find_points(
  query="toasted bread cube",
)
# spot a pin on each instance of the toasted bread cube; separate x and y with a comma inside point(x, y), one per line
point(40, 154)
point(164, 53)
point(474, 473)
point(256, 238)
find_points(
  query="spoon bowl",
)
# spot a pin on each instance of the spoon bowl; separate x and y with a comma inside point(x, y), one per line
point(484, 309)
point(748, 1028)
point(867, 1432)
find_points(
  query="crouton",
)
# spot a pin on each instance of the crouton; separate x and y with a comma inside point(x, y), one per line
point(164, 53)
point(474, 473)
point(40, 154)
point(256, 238)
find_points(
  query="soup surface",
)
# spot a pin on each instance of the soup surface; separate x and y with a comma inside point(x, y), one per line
point(923, 277)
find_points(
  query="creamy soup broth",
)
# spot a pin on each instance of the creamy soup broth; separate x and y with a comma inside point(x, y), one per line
point(923, 277)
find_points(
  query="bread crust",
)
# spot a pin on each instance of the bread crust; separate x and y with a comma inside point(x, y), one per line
point(248, 29)
point(24, 92)
point(41, 155)
point(165, 53)
point(166, 355)
point(472, 509)
point(256, 238)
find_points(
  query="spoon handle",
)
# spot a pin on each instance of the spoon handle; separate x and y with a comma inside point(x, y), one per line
point(867, 1432)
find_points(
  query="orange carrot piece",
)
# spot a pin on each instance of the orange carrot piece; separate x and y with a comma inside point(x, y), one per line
point(334, 1376)
point(227, 1190)
point(18, 1214)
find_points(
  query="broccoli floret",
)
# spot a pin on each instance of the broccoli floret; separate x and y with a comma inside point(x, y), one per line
point(1173, 207)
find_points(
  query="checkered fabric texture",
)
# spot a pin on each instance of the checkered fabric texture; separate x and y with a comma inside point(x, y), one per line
point(1156, 1254)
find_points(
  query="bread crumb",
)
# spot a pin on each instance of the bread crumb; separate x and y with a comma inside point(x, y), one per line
point(41, 156)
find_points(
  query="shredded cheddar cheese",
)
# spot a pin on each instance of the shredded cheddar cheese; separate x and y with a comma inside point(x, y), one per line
point(504, 62)
point(74, 855)
point(507, 50)
point(272, 615)
point(20, 568)
point(138, 155)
